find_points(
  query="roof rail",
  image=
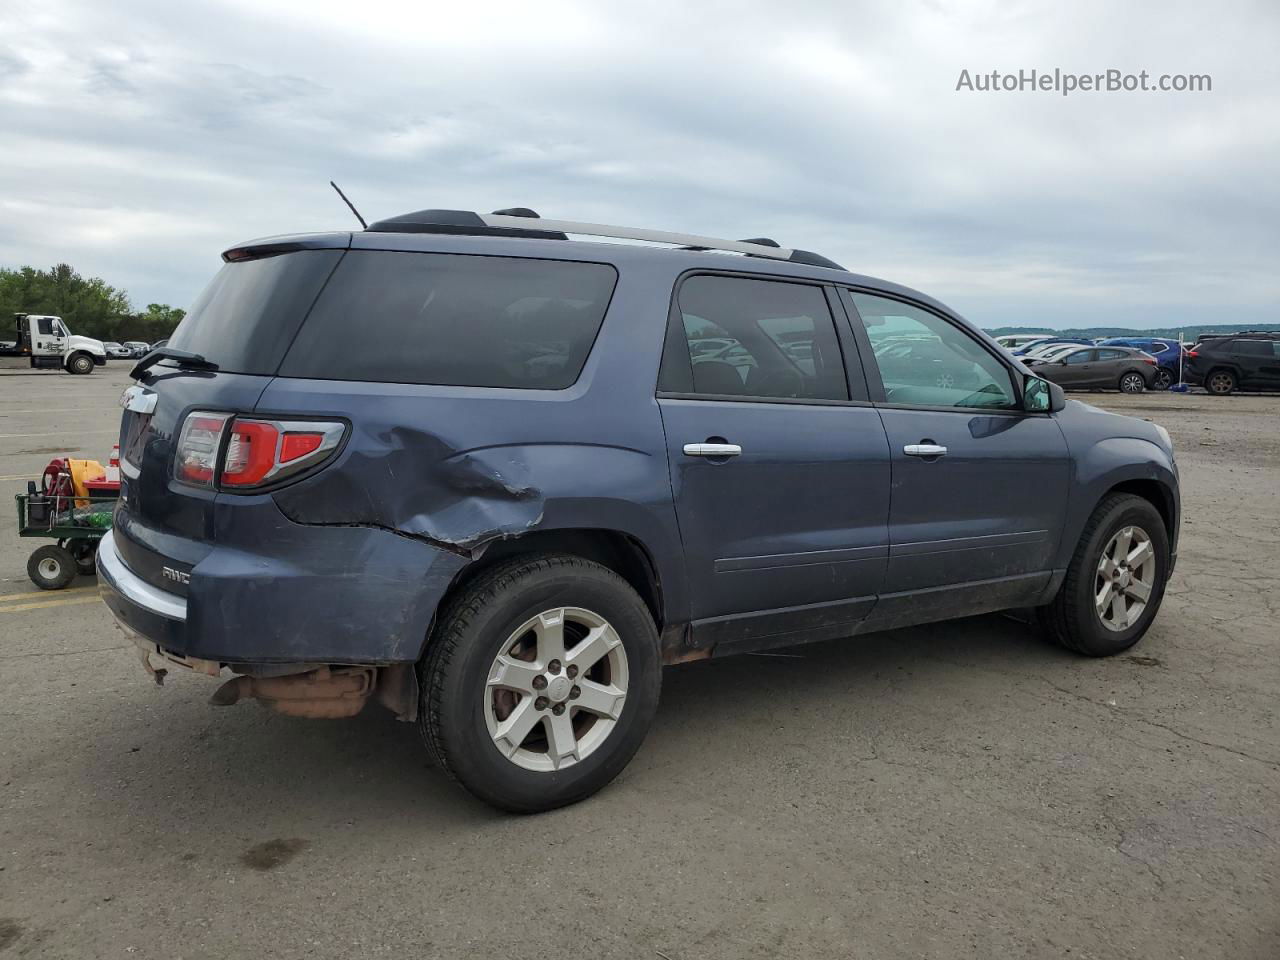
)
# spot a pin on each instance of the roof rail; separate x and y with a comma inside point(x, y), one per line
point(523, 222)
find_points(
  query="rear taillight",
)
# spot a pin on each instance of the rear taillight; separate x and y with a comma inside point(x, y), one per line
point(257, 452)
point(1193, 353)
point(1152, 360)
point(197, 456)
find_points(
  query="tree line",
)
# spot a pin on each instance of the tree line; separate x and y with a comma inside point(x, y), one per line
point(88, 305)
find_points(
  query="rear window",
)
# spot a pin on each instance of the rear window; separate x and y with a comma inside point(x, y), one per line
point(454, 320)
point(245, 318)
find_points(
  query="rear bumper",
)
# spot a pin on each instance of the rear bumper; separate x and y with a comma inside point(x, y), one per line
point(327, 595)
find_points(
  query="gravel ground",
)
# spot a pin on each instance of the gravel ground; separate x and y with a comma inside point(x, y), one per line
point(957, 790)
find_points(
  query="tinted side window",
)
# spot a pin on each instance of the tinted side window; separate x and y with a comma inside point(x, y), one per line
point(1252, 348)
point(755, 338)
point(1081, 356)
point(45, 326)
point(245, 318)
point(928, 361)
point(453, 319)
point(1111, 355)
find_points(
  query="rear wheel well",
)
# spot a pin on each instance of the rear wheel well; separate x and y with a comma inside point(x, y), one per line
point(1153, 492)
point(622, 554)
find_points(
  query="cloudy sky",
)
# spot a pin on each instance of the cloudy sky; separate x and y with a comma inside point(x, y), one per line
point(138, 139)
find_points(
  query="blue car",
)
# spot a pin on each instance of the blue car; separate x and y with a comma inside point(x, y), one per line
point(494, 478)
point(1165, 351)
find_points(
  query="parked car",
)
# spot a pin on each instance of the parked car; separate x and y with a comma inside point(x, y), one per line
point(1098, 368)
point(1247, 361)
point(1049, 351)
point(1168, 353)
point(137, 348)
point(1013, 341)
point(117, 351)
point(1050, 341)
point(522, 489)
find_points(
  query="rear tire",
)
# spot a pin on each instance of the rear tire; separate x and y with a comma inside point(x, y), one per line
point(1220, 383)
point(1132, 382)
point(1074, 618)
point(51, 567)
point(1164, 380)
point(80, 363)
point(486, 671)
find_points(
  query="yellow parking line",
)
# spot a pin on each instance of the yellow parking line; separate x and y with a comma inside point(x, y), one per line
point(67, 602)
point(10, 597)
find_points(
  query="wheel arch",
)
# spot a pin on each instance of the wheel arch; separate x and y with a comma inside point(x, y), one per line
point(623, 553)
point(1156, 493)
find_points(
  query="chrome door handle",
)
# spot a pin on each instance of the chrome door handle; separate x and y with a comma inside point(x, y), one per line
point(712, 450)
point(925, 450)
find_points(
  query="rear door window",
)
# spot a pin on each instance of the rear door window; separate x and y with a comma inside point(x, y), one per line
point(1111, 354)
point(762, 339)
point(1252, 348)
point(454, 320)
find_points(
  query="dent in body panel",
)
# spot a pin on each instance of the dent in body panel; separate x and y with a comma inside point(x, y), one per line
point(412, 482)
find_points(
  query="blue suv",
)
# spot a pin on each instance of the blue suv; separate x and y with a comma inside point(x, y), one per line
point(495, 478)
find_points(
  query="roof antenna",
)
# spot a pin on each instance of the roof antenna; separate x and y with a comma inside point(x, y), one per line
point(349, 204)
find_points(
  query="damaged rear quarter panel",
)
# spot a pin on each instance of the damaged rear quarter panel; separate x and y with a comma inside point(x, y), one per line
point(437, 464)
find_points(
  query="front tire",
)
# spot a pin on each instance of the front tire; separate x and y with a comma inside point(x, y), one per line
point(1164, 379)
point(1115, 581)
point(541, 680)
point(80, 363)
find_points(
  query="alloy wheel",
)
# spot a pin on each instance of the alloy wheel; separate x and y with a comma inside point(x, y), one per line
point(556, 689)
point(1164, 379)
point(1132, 383)
point(1125, 578)
point(1221, 383)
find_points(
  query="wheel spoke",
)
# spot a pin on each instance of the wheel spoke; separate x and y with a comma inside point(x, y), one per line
point(512, 731)
point(1119, 609)
point(513, 674)
point(1103, 599)
point(562, 745)
point(1138, 590)
point(1107, 567)
point(549, 630)
point(600, 699)
point(1123, 540)
point(594, 646)
point(1140, 554)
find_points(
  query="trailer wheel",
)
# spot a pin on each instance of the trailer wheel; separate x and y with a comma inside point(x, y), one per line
point(80, 363)
point(85, 552)
point(51, 567)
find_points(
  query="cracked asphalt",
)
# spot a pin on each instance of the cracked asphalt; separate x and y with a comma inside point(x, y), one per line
point(957, 790)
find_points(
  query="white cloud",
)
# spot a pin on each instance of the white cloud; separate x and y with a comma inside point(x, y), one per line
point(142, 137)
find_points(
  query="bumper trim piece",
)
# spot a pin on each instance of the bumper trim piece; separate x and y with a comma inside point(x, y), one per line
point(132, 587)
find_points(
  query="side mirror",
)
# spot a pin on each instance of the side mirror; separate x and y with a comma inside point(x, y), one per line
point(1042, 396)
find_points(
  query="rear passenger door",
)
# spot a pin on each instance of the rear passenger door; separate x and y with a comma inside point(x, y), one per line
point(1256, 362)
point(1111, 363)
point(979, 485)
point(779, 464)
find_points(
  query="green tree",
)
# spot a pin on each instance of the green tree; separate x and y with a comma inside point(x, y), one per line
point(90, 306)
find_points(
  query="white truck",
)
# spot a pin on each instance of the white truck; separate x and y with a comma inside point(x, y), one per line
point(47, 342)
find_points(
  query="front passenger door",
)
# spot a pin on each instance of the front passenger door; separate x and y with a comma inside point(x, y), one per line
point(979, 485)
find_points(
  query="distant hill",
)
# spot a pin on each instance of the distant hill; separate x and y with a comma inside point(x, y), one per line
point(1189, 333)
